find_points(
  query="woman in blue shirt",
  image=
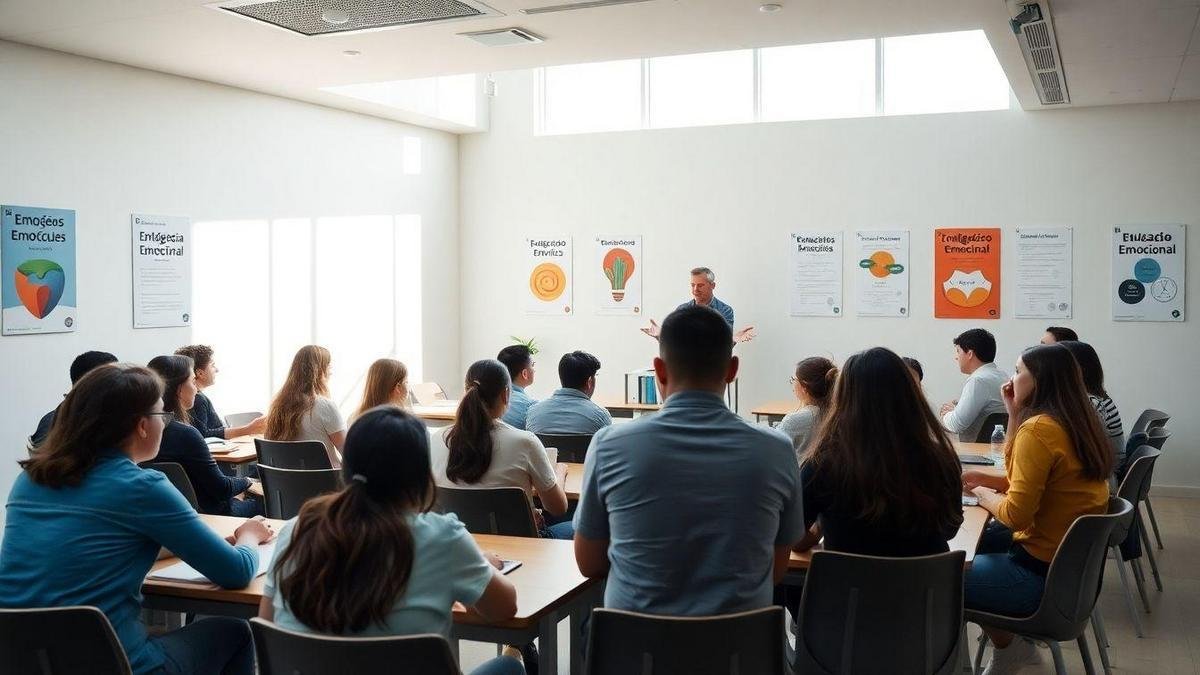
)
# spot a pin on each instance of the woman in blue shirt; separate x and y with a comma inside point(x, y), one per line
point(85, 524)
point(372, 560)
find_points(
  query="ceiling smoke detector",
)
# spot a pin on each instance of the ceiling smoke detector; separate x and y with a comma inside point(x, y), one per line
point(335, 17)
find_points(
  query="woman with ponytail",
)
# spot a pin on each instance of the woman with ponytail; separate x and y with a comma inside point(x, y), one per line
point(372, 560)
point(812, 384)
point(481, 450)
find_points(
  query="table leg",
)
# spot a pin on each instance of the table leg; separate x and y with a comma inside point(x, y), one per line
point(548, 644)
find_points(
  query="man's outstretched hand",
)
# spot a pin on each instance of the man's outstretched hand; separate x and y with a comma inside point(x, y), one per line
point(652, 330)
point(744, 335)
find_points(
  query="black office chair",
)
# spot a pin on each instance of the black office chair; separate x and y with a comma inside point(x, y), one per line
point(571, 447)
point(989, 426)
point(286, 490)
point(308, 455)
point(284, 652)
point(178, 477)
point(60, 641)
point(505, 511)
point(621, 643)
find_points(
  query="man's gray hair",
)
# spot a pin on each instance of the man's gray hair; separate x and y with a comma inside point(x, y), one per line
point(708, 274)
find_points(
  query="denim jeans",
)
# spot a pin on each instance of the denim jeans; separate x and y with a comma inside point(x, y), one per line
point(997, 582)
point(501, 665)
point(213, 645)
point(563, 530)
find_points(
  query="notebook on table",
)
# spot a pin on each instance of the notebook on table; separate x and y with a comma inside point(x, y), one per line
point(184, 572)
point(976, 459)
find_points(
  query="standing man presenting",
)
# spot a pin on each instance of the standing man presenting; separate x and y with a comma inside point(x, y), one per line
point(704, 282)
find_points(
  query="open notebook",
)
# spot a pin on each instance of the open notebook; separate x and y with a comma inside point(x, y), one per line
point(182, 571)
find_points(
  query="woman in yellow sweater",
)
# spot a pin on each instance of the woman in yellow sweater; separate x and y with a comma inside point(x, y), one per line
point(1058, 462)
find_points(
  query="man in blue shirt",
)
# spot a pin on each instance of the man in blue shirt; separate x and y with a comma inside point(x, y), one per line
point(82, 365)
point(691, 511)
point(704, 282)
point(570, 410)
point(519, 361)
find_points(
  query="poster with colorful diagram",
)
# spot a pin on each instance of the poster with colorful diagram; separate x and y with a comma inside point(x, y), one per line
point(617, 274)
point(966, 273)
point(1148, 272)
point(37, 263)
point(548, 266)
point(882, 283)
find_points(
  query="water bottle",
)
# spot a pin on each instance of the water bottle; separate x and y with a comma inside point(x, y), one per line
point(998, 445)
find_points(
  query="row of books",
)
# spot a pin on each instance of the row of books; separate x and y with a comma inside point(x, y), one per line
point(641, 387)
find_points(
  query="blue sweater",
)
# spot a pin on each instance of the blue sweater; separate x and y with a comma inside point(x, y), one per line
point(95, 543)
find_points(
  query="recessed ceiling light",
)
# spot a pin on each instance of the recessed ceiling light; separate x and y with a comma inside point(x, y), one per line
point(336, 17)
point(770, 7)
point(352, 53)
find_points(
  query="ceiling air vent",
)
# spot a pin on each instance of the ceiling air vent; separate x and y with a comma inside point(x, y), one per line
point(338, 17)
point(586, 4)
point(1035, 33)
point(504, 37)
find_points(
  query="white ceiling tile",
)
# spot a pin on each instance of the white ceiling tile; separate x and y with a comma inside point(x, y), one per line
point(1095, 31)
point(1128, 81)
point(1187, 87)
point(1194, 47)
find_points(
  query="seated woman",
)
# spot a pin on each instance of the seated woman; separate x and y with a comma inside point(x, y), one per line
point(812, 384)
point(85, 525)
point(204, 415)
point(183, 444)
point(302, 410)
point(372, 560)
point(481, 450)
point(1093, 382)
point(1057, 464)
point(882, 477)
point(387, 384)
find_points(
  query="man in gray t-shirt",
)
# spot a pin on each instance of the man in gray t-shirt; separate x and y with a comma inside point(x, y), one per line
point(691, 511)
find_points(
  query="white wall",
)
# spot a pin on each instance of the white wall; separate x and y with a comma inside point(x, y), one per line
point(109, 140)
point(726, 197)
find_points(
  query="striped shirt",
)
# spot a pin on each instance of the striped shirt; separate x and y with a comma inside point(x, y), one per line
point(1110, 419)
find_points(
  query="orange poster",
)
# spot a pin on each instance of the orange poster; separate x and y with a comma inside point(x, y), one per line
point(966, 273)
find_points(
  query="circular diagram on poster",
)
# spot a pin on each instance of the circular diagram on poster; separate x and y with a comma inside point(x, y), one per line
point(547, 282)
point(1131, 291)
point(1164, 289)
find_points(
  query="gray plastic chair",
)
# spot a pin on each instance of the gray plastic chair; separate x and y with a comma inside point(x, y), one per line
point(1136, 489)
point(178, 477)
point(571, 447)
point(309, 455)
point(1157, 437)
point(286, 490)
point(1149, 419)
point(505, 511)
point(60, 641)
point(856, 608)
point(989, 425)
point(1072, 585)
point(284, 652)
point(241, 419)
point(628, 643)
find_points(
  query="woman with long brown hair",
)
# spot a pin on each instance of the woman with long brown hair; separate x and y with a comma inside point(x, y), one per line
point(85, 524)
point(812, 384)
point(302, 410)
point(387, 384)
point(482, 450)
point(882, 477)
point(1057, 463)
point(372, 559)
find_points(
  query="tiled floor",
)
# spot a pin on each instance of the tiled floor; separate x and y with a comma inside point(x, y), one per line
point(1172, 642)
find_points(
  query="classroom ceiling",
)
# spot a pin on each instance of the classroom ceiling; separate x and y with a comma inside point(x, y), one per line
point(1114, 51)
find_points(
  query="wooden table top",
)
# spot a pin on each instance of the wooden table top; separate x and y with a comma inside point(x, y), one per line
point(967, 539)
point(243, 454)
point(615, 403)
point(547, 578)
point(779, 408)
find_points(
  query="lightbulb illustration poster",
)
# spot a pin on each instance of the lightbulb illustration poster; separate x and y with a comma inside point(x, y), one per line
point(37, 264)
point(548, 276)
point(816, 273)
point(617, 275)
point(966, 273)
point(1148, 272)
point(882, 276)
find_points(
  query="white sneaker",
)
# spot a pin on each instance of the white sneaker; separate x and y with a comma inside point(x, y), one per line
point(1012, 658)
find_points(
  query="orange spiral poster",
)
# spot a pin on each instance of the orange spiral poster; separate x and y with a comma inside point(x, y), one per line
point(966, 273)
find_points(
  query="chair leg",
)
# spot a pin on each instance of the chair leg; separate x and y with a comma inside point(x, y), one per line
point(1150, 556)
point(1153, 522)
point(964, 650)
point(1139, 577)
point(1133, 612)
point(983, 643)
point(1060, 667)
point(1101, 640)
point(1085, 654)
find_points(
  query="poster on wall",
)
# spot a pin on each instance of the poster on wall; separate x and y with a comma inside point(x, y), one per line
point(162, 271)
point(37, 262)
point(1148, 272)
point(816, 273)
point(1044, 273)
point(966, 273)
point(882, 283)
point(617, 273)
point(548, 263)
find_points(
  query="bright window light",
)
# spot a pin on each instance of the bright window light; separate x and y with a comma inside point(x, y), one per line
point(412, 155)
point(701, 89)
point(942, 72)
point(450, 98)
point(291, 293)
point(818, 81)
point(592, 97)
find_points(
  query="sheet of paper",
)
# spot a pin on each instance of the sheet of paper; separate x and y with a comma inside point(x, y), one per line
point(182, 571)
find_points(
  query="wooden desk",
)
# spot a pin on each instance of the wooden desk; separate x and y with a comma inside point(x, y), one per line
point(549, 589)
point(437, 413)
point(242, 455)
point(573, 485)
point(774, 412)
point(619, 408)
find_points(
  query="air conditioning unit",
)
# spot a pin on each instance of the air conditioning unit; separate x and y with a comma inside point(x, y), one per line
point(1034, 28)
point(314, 18)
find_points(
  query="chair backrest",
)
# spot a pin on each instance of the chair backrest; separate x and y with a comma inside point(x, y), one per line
point(178, 478)
point(505, 511)
point(292, 454)
point(1073, 582)
point(1157, 436)
point(856, 608)
point(1136, 484)
point(285, 652)
point(571, 447)
point(241, 419)
point(989, 425)
point(59, 640)
point(1149, 419)
point(286, 490)
point(628, 643)
point(424, 393)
